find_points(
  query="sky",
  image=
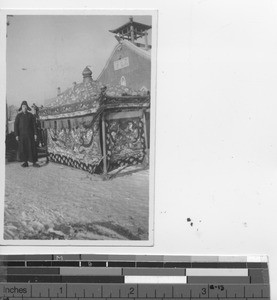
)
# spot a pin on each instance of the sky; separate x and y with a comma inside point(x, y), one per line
point(46, 52)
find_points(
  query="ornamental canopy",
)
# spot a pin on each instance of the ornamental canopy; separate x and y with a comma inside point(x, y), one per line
point(89, 96)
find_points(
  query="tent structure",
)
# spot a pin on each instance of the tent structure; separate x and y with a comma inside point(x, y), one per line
point(96, 128)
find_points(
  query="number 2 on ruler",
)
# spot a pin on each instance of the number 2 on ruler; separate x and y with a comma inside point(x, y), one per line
point(132, 291)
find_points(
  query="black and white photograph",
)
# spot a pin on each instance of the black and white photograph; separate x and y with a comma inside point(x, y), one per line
point(139, 149)
point(79, 140)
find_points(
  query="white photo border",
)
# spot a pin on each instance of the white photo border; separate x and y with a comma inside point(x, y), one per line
point(80, 12)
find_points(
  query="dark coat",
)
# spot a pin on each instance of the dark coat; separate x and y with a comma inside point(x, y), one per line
point(25, 129)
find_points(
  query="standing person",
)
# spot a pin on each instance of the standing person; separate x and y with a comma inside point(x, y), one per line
point(35, 112)
point(26, 134)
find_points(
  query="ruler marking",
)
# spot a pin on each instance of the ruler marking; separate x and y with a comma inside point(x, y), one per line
point(158, 290)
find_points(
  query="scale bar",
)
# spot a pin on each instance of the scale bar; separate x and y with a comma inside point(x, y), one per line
point(123, 277)
point(217, 272)
point(155, 279)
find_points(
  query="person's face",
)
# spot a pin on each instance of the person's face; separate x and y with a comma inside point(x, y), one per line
point(24, 108)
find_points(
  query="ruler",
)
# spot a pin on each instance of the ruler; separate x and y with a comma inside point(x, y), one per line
point(137, 277)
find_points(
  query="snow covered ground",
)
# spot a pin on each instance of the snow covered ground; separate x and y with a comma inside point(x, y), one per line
point(59, 202)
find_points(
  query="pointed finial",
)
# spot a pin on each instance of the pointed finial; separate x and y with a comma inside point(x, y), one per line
point(87, 74)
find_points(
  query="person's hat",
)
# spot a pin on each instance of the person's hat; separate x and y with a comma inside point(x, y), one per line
point(24, 103)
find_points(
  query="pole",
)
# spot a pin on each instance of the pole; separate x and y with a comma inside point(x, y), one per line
point(104, 144)
point(132, 29)
point(145, 137)
point(132, 34)
point(146, 39)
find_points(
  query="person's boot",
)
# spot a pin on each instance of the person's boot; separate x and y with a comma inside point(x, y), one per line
point(36, 165)
point(25, 164)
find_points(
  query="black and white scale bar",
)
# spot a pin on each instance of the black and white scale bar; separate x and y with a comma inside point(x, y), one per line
point(60, 279)
point(126, 279)
point(133, 275)
point(149, 264)
point(11, 262)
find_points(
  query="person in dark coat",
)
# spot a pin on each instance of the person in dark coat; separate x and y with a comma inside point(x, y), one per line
point(26, 134)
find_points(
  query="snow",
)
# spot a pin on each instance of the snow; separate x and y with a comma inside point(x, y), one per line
point(60, 202)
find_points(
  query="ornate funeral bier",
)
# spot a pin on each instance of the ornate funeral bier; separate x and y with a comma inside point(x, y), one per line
point(97, 128)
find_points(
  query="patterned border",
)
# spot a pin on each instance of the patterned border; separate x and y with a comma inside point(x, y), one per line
point(126, 162)
point(89, 107)
point(68, 161)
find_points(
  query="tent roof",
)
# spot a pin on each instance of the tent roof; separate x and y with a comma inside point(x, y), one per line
point(79, 93)
point(89, 90)
point(87, 97)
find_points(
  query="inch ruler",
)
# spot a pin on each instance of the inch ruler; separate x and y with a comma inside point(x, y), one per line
point(136, 277)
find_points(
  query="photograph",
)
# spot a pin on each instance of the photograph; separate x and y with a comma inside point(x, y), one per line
point(79, 140)
point(139, 152)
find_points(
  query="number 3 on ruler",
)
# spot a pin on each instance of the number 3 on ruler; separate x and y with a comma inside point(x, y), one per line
point(204, 291)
